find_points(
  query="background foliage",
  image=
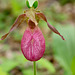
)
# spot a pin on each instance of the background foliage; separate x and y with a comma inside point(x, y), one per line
point(59, 57)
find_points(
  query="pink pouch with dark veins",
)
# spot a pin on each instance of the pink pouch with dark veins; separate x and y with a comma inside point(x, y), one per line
point(33, 44)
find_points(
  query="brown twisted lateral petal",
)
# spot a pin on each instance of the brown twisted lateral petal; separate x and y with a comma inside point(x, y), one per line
point(42, 16)
point(18, 22)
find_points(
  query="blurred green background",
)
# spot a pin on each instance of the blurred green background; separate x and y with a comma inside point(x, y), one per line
point(59, 57)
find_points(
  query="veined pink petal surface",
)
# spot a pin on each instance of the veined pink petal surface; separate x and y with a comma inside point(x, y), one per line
point(33, 44)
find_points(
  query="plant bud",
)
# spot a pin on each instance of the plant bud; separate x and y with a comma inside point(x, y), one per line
point(32, 3)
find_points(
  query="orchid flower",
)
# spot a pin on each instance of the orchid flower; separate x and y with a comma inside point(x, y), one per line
point(33, 42)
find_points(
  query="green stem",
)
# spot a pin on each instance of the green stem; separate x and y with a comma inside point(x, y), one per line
point(34, 67)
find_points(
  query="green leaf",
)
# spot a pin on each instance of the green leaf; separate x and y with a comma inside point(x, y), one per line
point(28, 72)
point(35, 4)
point(18, 59)
point(73, 66)
point(64, 51)
point(2, 72)
point(46, 64)
point(9, 65)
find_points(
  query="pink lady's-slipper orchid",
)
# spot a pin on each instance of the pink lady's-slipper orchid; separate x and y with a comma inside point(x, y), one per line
point(33, 42)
